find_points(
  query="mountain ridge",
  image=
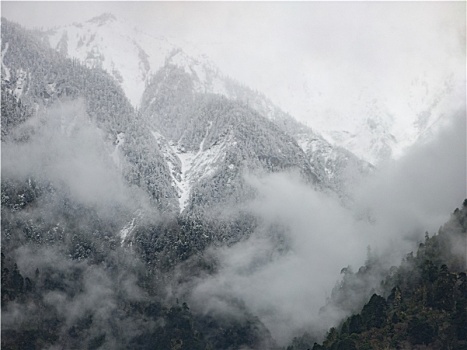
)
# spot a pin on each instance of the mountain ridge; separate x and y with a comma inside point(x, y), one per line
point(206, 76)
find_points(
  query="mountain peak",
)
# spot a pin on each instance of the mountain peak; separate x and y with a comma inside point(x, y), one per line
point(103, 19)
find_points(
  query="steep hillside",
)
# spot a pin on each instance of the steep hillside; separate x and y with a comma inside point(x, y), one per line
point(175, 92)
point(371, 127)
point(422, 304)
point(89, 235)
point(101, 42)
point(36, 78)
point(127, 54)
point(216, 139)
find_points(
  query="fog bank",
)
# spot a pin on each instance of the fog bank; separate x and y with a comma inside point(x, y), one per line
point(286, 269)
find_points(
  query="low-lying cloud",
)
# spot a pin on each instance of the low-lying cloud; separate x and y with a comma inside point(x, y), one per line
point(391, 211)
point(64, 148)
point(286, 270)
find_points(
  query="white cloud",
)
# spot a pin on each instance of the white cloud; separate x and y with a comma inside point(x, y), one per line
point(64, 148)
point(286, 288)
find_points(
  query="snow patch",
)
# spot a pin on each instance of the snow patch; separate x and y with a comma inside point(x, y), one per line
point(177, 160)
point(126, 230)
point(185, 184)
point(188, 168)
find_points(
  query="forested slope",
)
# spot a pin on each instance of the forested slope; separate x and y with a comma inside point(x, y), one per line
point(422, 304)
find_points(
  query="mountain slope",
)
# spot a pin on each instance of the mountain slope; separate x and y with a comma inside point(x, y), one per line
point(102, 40)
point(129, 55)
point(46, 79)
point(215, 139)
point(82, 174)
point(423, 302)
point(178, 83)
point(371, 128)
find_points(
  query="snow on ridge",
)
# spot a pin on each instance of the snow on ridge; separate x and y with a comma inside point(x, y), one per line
point(102, 19)
point(116, 47)
point(206, 76)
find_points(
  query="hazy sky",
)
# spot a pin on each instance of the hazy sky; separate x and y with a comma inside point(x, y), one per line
point(309, 57)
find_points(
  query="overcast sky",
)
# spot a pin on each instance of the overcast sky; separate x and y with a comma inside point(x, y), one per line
point(309, 57)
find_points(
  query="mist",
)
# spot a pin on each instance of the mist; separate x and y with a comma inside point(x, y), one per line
point(82, 292)
point(285, 279)
point(83, 201)
point(283, 273)
point(63, 148)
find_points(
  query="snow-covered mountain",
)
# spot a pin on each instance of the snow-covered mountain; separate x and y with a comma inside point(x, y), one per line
point(374, 129)
point(39, 78)
point(373, 124)
point(181, 83)
point(214, 140)
point(100, 41)
point(127, 54)
point(119, 168)
point(132, 57)
point(203, 169)
point(194, 137)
